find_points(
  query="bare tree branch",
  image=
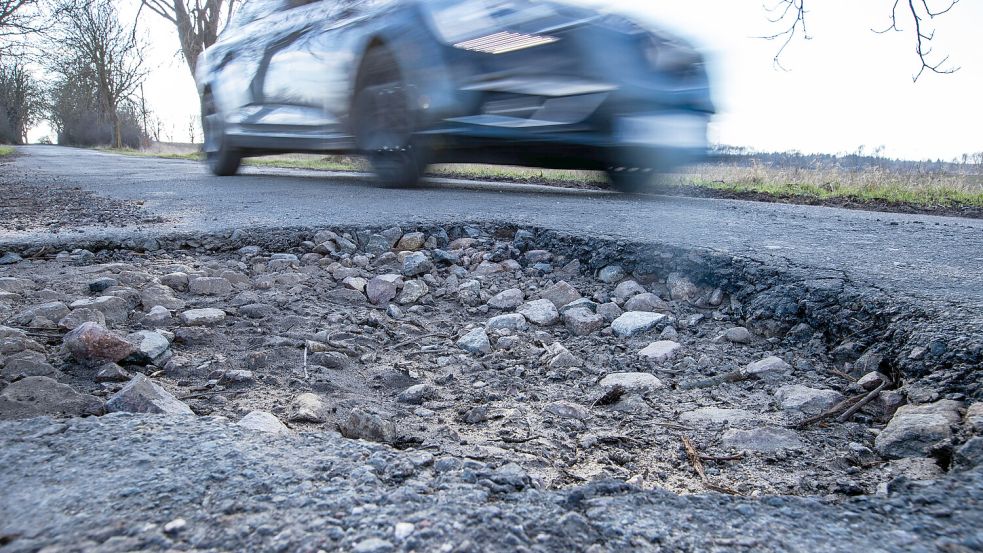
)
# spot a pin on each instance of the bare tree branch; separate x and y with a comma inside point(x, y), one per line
point(920, 12)
point(197, 22)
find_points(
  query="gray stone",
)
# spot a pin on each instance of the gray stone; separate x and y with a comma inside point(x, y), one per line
point(141, 395)
point(582, 321)
point(538, 256)
point(610, 311)
point(507, 299)
point(446, 257)
point(510, 321)
point(35, 396)
point(540, 312)
point(237, 377)
point(766, 439)
point(872, 380)
point(806, 400)
point(157, 316)
point(411, 241)
point(151, 347)
point(488, 268)
point(948, 408)
point(769, 369)
point(661, 350)
point(970, 454)
point(628, 289)
point(27, 363)
point(417, 394)
point(51, 311)
point(380, 290)
point(364, 425)
point(82, 315)
point(354, 283)
point(715, 415)
point(373, 545)
point(576, 304)
point(475, 341)
point(611, 274)
point(158, 294)
point(101, 284)
point(974, 417)
point(681, 287)
point(631, 323)
point(334, 360)
point(203, 317)
point(737, 335)
point(210, 286)
point(111, 372)
point(93, 343)
point(413, 291)
point(256, 310)
point(557, 356)
point(914, 435)
point(560, 294)
point(16, 285)
point(308, 407)
point(646, 302)
point(635, 381)
point(115, 308)
point(177, 281)
point(417, 263)
point(10, 258)
point(567, 410)
point(262, 421)
point(915, 468)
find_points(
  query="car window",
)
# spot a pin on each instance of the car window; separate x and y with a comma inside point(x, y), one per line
point(252, 10)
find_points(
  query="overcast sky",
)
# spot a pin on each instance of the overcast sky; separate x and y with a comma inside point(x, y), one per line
point(844, 88)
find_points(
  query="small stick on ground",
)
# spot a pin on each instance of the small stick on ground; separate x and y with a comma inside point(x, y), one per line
point(843, 375)
point(694, 458)
point(737, 457)
point(846, 403)
point(857, 406)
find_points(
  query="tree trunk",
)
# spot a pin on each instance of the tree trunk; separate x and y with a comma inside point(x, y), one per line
point(117, 130)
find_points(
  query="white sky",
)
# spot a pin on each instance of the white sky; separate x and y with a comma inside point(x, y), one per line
point(844, 88)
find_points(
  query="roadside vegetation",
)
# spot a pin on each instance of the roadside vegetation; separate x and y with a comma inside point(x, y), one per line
point(6, 151)
point(869, 181)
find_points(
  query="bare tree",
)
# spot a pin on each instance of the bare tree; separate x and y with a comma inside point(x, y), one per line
point(18, 18)
point(197, 22)
point(792, 14)
point(21, 102)
point(93, 36)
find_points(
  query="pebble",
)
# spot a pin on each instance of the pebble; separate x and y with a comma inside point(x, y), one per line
point(680, 287)
point(380, 290)
point(646, 302)
point(262, 421)
point(635, 322)
point(715, 415)
point(560, 294)
point(417, 394)
point(635, 381)
point(203, 317)
point(611, 274)
point(93, 343)
point(766, 439)
point(567, 410)
point(363, 425)
point(627, 289)
point(308, 407)
point(806, 400)
point(737, 335)
point(475, 341)
point(581, 321)
point(661, 350)
point(510, 321)
point(911, 434)
point(142, 395)
point(769, 369)
point(413, 291)
point(151, 347)
point(540, 312)
point(416, 263)
point(210, 286)
point(507, 299)
point(36, 396)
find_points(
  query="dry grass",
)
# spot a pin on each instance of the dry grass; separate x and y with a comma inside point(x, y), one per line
point(922, 188)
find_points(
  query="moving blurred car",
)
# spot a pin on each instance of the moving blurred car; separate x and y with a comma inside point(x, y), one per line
point(413, 82)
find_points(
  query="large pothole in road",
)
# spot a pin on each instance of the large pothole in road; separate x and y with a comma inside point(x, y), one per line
point(575, 359)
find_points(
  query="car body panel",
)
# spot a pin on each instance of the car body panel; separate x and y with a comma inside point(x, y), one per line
point(515, 75)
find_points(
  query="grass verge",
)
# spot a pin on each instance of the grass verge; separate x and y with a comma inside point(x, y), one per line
point(885, 190)
point(7, 151)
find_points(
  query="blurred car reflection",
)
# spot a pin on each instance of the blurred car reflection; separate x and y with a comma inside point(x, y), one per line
point(412, 82)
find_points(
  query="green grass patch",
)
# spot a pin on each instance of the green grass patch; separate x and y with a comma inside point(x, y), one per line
point(7, 151)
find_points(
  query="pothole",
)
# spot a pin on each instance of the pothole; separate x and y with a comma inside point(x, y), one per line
point(565, 359)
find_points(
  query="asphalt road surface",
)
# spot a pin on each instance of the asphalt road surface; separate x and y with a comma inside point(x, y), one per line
point(939, 259)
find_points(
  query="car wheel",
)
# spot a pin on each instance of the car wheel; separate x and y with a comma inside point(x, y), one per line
point(222, 160)
point(384, 122)
point(630, 179)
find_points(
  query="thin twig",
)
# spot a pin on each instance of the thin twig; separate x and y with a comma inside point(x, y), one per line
point(857, 406)
point(414, 339)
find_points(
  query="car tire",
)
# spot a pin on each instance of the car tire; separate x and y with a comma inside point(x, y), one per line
point(383, 121)
point(631, 180)
point(222, 160)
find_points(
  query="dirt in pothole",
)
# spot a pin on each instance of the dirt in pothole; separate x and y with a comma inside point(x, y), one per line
point(27, 204)
point(298, 321)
